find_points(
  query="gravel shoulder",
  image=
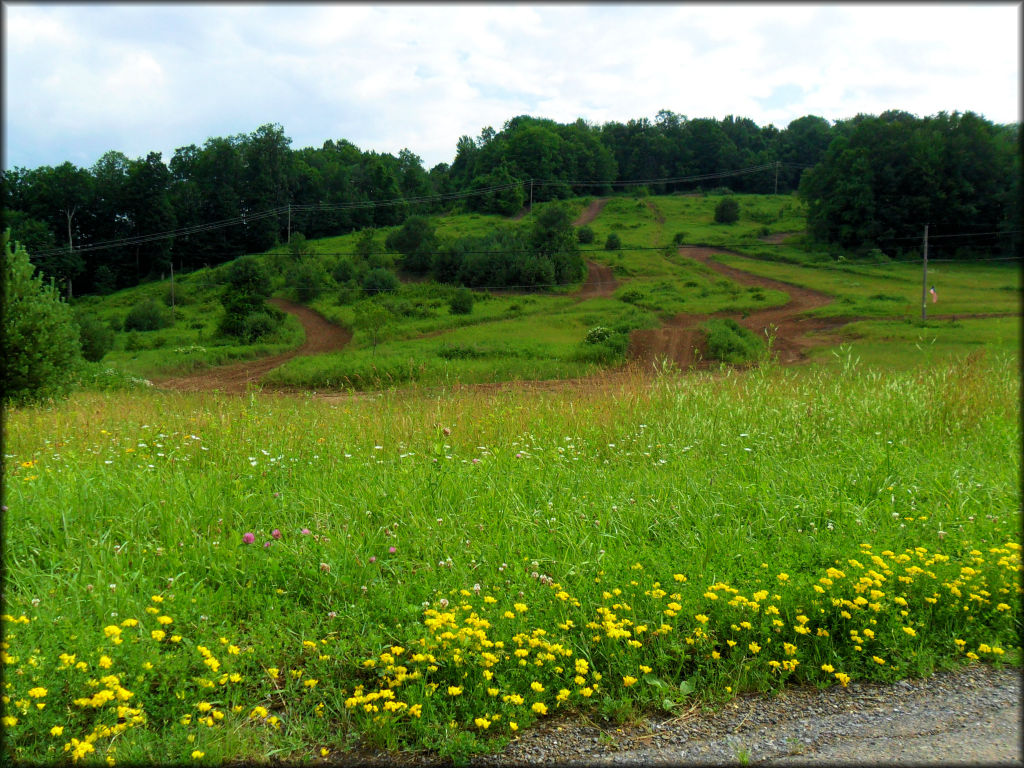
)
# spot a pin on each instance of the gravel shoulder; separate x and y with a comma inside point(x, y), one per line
point(971, 716)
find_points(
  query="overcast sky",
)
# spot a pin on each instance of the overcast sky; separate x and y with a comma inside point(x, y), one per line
point(81, 79)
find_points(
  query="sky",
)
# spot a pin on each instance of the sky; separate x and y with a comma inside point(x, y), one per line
point(82, 79)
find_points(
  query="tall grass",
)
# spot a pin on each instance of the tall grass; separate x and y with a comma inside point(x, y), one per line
point(619, 534)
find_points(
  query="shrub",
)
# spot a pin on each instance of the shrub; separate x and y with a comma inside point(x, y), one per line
point(631, 295)
point(597, 335)
point(679, 237)
point(727, 211)
point(257, 325)
point(585, 235)
point(613, 242)
point(40, 346)
point(344, 270)
point(730, 342)
point(306, 281)
point(380, 280)
point(461, 302)
point(97, 337)
point(147, 315)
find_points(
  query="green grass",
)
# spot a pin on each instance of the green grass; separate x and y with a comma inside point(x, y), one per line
point(646, 545)
point(514, 332)
point(887, 290)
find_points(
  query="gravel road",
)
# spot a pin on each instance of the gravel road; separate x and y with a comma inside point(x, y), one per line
point(967, 717)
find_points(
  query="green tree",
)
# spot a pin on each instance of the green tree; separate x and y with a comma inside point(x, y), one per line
point(371, 317)
point(415, 240)
point(727, 211)
point(245, 291)
point(40, 347)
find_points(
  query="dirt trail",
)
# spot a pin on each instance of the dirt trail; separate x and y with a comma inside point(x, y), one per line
point(681, 341)
point(321, 336)
point(600, 282)
point(591, 212)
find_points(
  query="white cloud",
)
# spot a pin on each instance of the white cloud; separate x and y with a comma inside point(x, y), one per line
point(82, 79)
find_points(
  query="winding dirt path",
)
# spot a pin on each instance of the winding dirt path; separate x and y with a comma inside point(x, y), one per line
point(681, 341)
point(321, 336)
point(590, 212)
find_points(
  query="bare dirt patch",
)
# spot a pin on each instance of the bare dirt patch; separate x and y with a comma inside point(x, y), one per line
point(600, 282)
point(681, 342)
point(591, 212)
point(321, 336)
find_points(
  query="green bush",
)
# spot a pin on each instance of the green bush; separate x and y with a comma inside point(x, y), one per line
point(147, 315)
point(597, 335)
point(306, 281)
point(631, 295)
point(41, 352)
point(727, 211)
point(344, 270)
point(461, 302)
point(613, 242)
point(730, 342)
point(96, 336)
point(585, 235)
point(380, 280)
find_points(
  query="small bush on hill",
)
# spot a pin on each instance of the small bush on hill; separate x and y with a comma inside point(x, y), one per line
point(379, 280)
point(96, 336)
point(585, 235)
point(613, 242)
point(461, 302)
point(730, 342)
point(147, 315)
point(727, 211)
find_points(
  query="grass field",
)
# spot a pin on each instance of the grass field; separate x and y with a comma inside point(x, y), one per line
point(200, 578)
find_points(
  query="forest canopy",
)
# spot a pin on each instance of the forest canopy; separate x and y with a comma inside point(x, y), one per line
point(869, 182)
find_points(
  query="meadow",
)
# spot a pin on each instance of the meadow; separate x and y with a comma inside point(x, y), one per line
point(413, 564)
point(201, 578)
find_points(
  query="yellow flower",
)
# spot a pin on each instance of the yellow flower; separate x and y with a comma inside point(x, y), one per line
point(482, 723)
point(105, 662)
point(783, 577)
point(165, 620)
point(57, 730)
point(537, 687)
point(701, 618)
point(175, 638)
point(513, 725)
point(37, 693)
point(628, 680)
point(878, 660)
point(258, 711)
point(273, 672)
point(204, 706)
point(112, 631)
point(197, 755)
point(310, 682)
point(521, 607)
point(910, 631)
point(454, 690)
point(158, 634)
point(844, 679)
point(754, 648)
point(540, 708)
point(10, 721)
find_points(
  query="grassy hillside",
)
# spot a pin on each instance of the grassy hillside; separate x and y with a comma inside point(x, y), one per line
point(541, 335)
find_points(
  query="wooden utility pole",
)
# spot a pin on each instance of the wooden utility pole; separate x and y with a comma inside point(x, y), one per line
point(924, 277)
point(70, 213)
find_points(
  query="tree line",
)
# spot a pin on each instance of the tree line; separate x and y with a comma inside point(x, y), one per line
point(875, 179)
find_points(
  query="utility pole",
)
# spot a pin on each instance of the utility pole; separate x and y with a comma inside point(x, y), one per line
point(70, 214)
point(776, 177)
point(924, 278)
point(289, 223)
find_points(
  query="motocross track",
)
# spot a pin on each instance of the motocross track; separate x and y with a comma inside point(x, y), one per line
point(321, 336)
point(680, 340)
